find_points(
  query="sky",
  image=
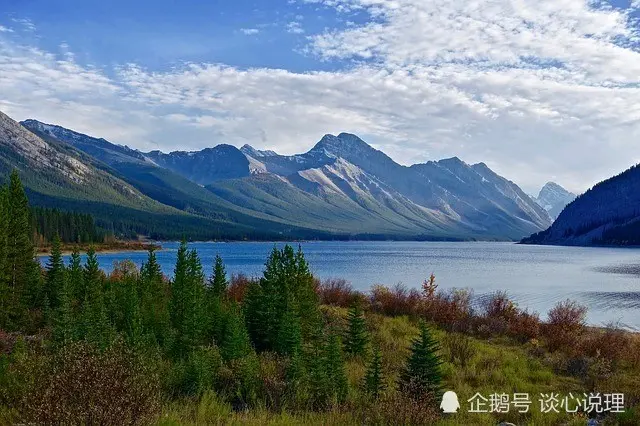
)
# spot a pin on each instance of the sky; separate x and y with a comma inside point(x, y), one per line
point(539, 90)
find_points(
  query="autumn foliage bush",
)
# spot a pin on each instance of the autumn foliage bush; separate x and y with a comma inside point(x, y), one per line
point(338, 292)
point(565, 326)
point(80, 385)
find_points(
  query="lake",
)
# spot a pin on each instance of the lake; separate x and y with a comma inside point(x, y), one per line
point(607, 280)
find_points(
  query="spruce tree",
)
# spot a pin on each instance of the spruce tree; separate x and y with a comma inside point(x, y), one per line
point(97, 328)
point(373, 384)
point(306, 297)
point(218, 282)
point(5, 290)
point(154, 299)
point(20, 270)
point(335, 367)
point(55, 274)
point(178, 286)
point(357, 336)
point(422, 373)
point(235, 342)
point(289, 334)
point(75, 276)
point(64, 331)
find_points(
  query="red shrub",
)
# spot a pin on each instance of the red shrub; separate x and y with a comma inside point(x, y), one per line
point(451, 310)
point(612, 343)
point(565, 325)
point(238, 287)
point(396, 301)
point(525, 326)
point(337, 292)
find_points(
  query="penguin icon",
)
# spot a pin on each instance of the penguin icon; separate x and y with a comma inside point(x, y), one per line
point(450, 404)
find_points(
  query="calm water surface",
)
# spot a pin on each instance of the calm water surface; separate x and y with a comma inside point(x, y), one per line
point(607, 280)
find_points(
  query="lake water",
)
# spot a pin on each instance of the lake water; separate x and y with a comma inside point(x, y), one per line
point(607, 280)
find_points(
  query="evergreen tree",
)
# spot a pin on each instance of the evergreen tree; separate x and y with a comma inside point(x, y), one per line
point(356, 338)
point(335, 368)
point(306, 298)
point(178, 286)
point(218, 282)
point(289, 335)
point(55, 274)
point(5, 290)
point(373, 380)
point(64, 331)
point(235, 342)
point(19, 269)
point(154, 299)
point(194, 321)
point(96, 326)
point(422, 373)
point(76, 276)
point(252, 307)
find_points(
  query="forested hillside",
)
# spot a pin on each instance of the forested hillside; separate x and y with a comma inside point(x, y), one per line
point(608, 213)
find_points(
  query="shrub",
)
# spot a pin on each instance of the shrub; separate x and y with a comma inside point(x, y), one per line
point(398, 409)
point(338, 292)
point(525, 326)
point(459, 348)
point(238, 287)
point(451, 310)
point(80, 385)
point(565, 325)
point(197, 374)
point(396, 301)
point(612, 343)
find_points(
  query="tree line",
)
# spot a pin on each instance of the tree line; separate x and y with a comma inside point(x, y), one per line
point(191, 322)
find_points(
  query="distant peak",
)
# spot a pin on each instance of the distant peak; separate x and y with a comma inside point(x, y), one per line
point(344, 142)
point(253, 152)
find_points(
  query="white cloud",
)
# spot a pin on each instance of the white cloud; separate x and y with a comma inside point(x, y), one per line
point(536, 89)
point(294, 27)
point(249, 31)
point(5, 29)
point(26, 24)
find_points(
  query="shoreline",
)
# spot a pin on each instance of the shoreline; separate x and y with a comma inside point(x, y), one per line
point(117, 247)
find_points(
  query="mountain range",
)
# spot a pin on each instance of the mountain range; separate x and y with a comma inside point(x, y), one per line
point(341, 188)
point(554, 198)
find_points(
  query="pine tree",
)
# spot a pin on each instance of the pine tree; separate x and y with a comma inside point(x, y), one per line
point(178, 286)
point(335, 367)
point(264, 304)
point(64, 320)
point(373, 384)
point(194, 322)
point(235, 342)
point(76, 277)
point(97, 328)
point(5, 290)
point(252, 307)
point(218, 282)
point(356, 338)
point(20, 270)
point(55, 274)
point(154, 300)
point(289, 335)
point(306, 298)
point(422, 373)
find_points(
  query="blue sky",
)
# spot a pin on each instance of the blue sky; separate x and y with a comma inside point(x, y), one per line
point(538, 89)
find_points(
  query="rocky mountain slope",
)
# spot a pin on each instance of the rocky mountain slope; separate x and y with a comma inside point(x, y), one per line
point(554, 198)
point(341, 186)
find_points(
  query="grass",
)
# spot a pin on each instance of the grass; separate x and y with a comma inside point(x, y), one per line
point(494, 365)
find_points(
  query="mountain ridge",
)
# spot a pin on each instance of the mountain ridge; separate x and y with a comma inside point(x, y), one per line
point(341, 185)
